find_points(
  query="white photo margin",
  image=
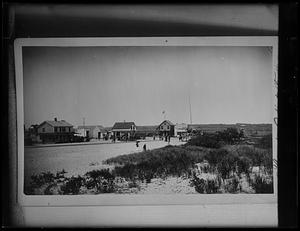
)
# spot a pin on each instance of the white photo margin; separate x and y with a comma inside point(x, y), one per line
point(138, 200)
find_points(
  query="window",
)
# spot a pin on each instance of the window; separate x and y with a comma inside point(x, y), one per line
point(168, 127)
point(43, 129)
point(55, 129)
point(63, 129)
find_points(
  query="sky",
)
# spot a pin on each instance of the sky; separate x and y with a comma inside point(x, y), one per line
point(104, 85)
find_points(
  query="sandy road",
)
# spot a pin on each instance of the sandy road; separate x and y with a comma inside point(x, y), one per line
point(78, 159)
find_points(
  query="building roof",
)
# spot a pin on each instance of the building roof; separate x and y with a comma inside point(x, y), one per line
point(181, 126)
point(168, 121)
point(146, 128)
point(123, 125)
point(61, 123)
point(91, 127)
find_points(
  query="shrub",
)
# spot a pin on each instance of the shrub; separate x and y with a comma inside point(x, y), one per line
point(243, 165)
point(205, 185)
point(227, 165)
point(215, 156)
point(199, 185)
point(170, 160)
point(205, 140)
point(127, 171)
point(217, 139)
point(256, 156)
point(212, 186)
point(102, 180)
point(261, 185)
point(232, 185)
point(60, 174)
point(94, 174)
point(265, 142)
point(41, 179)
point(230, 135)
point(72, 186)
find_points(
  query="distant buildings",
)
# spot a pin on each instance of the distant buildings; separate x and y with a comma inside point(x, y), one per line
point(144, 131)
point(166, 128)
point(255, 129)
point(92, 131)
point(55, 131)
point(248, 129)
point(31, 135)
point(180, 129)
point(63, 132)
point(123, 130)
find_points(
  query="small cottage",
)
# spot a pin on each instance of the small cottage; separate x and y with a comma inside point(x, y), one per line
point(92, 131)
point(166, 128)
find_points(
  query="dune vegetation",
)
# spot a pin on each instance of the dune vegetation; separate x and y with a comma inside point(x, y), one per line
point(209, 163)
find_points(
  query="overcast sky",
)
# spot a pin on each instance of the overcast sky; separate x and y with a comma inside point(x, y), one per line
point(109, 84)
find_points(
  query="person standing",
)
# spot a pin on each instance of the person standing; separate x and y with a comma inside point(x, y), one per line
point(144, 147)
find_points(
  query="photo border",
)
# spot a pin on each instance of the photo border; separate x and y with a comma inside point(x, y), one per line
point(154, 199)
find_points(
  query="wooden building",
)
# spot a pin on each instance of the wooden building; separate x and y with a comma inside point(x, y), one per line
point(92, 131)
point(181, 129)
point(166, 128)
point(123, 130)
point(55, 131)
point(144, 131)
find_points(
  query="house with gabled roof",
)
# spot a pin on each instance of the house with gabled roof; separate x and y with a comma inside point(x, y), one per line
point(55, 131)
point(143, 131)
point(123, 130)
point(92, 131)
point(166, 128)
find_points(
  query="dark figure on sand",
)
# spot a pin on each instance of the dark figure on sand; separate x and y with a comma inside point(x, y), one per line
point(144, 147)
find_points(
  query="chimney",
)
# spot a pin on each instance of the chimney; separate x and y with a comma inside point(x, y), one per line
point(55, 119)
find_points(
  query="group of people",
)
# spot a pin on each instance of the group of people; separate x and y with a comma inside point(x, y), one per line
point(167, 138)
point(137, 145)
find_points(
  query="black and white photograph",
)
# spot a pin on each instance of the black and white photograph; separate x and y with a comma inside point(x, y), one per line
point(150, 115)
point(149, 119)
